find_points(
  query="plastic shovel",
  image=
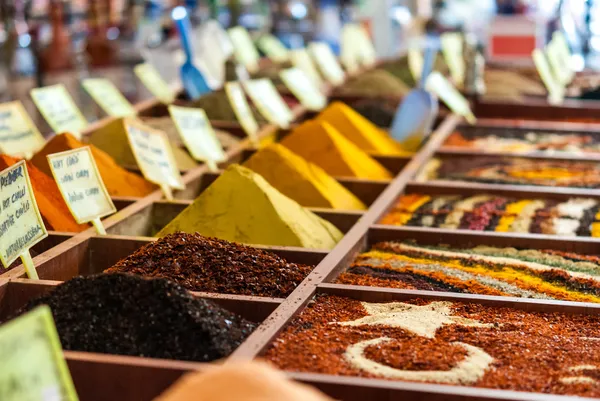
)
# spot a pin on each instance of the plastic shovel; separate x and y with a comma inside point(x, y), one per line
point(193, 81)
point(415, 115)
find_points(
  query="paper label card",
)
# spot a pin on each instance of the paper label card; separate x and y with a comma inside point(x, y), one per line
point(327, 63)
point(154, 82)
point(452, 49)
point(153, 154)
point(242, 110)
point(244, 49)
point(438, 85)
point(18, 134)
point(301, 60)
point(59, 109)
point(367, 50)
point(269, 101)
point(106, 94)
point(303, 88)
point(555, 89)
point(33, 364)
point(415, 63)
point(559, 60)
point(198, 135)
point(21, 224)
point(273, 48)
point(349, 50)
point(81, 184)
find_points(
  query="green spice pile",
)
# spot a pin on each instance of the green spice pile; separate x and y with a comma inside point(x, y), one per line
point(212, 265)
point(128, 315)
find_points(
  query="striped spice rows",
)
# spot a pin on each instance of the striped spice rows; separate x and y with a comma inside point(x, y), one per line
point(540, 274)
point(513, 171)
point(573, 217)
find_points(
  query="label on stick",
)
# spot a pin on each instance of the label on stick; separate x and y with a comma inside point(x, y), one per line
point(242, 110)
point(303, 88)
point(269, 102)
point(301, 60)
point(21, 224)
point(198, 135)
point(327, 63)
point(415, 63)
point(244, 49)
point(154, 82)
point(273, 48)
point(106, 94)
point(59, 109)
point(556, 91)
point(154, 156)
point(349, 49)
point(452, 49)
point(18, 134)
point(33, 364)
point(81, 185)
point(437, 84)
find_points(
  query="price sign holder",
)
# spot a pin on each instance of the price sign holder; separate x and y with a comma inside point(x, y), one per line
point(33, 364)
point(81, 186)
point(242, 110)
point(244, 48)
point(328, 64)
point(154, 82)
point(301, 60)
point(154, 156)
point(556, 91)
point(415, 63)
point(303, 88)
point(273, 48)
point(18, 134)
point(437, 84)
point(452, 49)
point(59, 109)
point(269, 102)
point(106, 94)
point(21, 224)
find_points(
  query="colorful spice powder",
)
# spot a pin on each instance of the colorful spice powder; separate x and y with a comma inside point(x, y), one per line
point(166, 125)
point(374, 83)
point(321, 144)
point(112, 139)
point(217, 107)
point(514, 171)
point(505, 82)
point(128, 315)
point(118, 181)
point(53, 208)
point(206, 264)
point(444, 342)
point(401, 70)
point(360, 131)
point(379, 113)
point(572, 217)
point(302, 181)
point(241, 206)
point(480, 270)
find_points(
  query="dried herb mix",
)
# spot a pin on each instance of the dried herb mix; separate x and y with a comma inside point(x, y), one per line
point(212, 265)
point(128, 315)
point(444, 342)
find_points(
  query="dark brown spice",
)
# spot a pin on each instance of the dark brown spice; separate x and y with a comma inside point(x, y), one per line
point(212, 265)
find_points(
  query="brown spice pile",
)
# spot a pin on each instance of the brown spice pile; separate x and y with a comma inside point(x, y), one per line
point(531, 351)
point(205, 264)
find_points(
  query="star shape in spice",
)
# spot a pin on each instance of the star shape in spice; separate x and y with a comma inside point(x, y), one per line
point(420, 320)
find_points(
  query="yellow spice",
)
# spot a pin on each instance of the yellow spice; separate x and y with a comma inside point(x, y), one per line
point(360, 131)
point(304, 182)
point(321, 144)
point(242, 206)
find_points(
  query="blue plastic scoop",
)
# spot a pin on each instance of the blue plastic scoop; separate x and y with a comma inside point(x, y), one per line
point(416, 114)
point(193, 81)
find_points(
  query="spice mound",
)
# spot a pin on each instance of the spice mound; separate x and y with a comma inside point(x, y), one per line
point(444, 342)
point(514, 171)
point(241, 206)
point(529, 273)
point(129, 315)
point(521, 141)
point(217, 107)
point(378, 112)
point(572, 217)
point(323, 145)
point(166, 125)
point(374, 83)
point(301, 180)
point(212, 265)
point(118, 181)
point(54, 210)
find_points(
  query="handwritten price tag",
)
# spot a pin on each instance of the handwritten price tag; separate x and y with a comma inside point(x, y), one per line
point(244, 49)
point(327, 63)
point(556, 91)
point(415, 63)
point(59, 109)
point(154, 82)
point(367, 50)
point(301, 60)
point(21, 224)
point(106, 94)
point(18, 134)
point(437, 84)
point(269, 101)
point(241, 108)
point(198, 135)
point(81, 186)
point(154, 156)
point(303, 88)
point(33, 365)
point(350, 52)
point(452, 49)
point(273, 48)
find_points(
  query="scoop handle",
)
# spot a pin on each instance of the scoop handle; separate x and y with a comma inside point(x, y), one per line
point(182, 20)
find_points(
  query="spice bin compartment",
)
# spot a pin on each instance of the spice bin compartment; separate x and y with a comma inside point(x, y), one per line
point(571, 110)
point(53, 240)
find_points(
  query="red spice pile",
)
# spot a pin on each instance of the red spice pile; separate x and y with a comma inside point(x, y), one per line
point(532, 351)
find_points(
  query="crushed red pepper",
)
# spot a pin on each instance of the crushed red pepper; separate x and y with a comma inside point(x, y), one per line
point(532, 351)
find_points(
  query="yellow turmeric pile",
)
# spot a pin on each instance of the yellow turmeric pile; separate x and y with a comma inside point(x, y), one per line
point(321, 144)
point(360, 131)
point(241, 206)
point(301, 180)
